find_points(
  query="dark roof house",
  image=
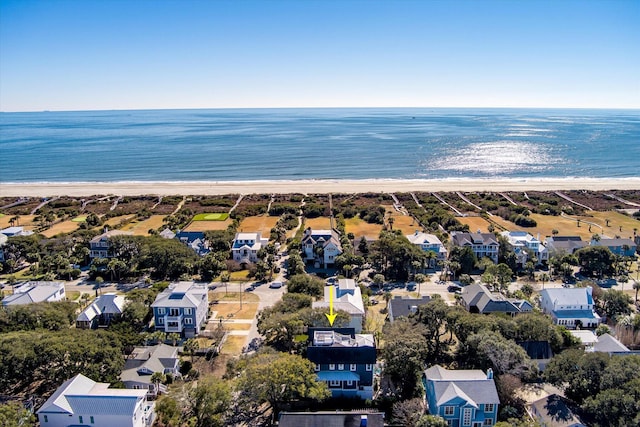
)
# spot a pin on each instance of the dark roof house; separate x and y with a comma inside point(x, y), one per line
point(403, 307)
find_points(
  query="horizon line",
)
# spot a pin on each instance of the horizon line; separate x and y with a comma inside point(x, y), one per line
point(319, 108)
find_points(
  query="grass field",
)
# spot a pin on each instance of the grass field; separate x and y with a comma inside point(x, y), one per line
point(236, 326)
point(232, 310)
point(404, 223)
point(23, 221)
point(117, 220)
point(141, 228)
point(616, 220)
point(261, 224)
point(211, 217)
point(81, 218)
point(233, 344)
point(320, 223)
point(221, 295)
point(208, 225)
point(61, 227)
point(362, 228)
point(475, 223)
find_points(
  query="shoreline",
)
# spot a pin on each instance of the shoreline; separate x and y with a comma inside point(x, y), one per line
point(320, 186)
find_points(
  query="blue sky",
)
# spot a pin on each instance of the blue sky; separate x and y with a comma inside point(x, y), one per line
point(128, 54)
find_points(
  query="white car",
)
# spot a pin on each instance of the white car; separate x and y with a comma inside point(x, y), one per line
point(275, 285)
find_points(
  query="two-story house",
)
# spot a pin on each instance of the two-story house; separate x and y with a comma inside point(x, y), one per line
point(321, 246)
point(476, 298)
point(143, 362)
point(561, 245)
point(570, 307)
point(245, 247)
point(344, 360)
point(81, 401)
point(195, 240)
point(429, 243)
point(181, 308)
point(346, 296)
point(464, 398)
point(402, 306)
point(620, 247)
point(32, 292)
point(101, 311)
point(525, 245)
point(99, 246)
point(482, 244)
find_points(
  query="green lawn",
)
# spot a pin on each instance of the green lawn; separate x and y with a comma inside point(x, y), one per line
point(81, 218)
point(211, 217)
point(1, 215)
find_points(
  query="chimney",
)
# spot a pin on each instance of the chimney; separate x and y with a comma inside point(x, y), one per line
point(489, 374)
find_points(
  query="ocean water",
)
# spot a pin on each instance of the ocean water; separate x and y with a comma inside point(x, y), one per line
point(290, 144)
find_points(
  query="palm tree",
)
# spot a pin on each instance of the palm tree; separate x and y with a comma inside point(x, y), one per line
point(174, 337)
point(421, 278)
point(544, 277)
point(157, 378)
point(190, 346)
point(636, 286)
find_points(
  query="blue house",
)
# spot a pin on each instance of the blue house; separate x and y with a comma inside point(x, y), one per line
point(620, 247)
point(344, 360)
point(181, 308)
point(464, 398)
point(195, 240)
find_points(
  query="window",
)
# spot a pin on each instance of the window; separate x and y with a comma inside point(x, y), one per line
point(80, 417)
point(160, 320)
point(334, 383)
point(369, 367)
point(161, 310)
point(488, 421)
point(46, 419)
point(332, 367)
point(352, 367)
point(466, 417)
point(91, 417)
point(488, 407)
point(350, 383)
point(340, 366)
point(188, 321)
point(174, 312)
point(317, 368)
point(187, 311)
point(449, 410)
point(450, 423)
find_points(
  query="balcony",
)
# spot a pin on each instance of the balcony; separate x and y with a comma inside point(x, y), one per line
point(173, 323)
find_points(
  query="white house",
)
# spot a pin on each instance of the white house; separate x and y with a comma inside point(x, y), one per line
point(143, 362)
point(16, 231)
point(347, 297)
point(429, 242)
point(246, 246)
point(482, 244)
point(81, 401)
point(99, 245)
point(101, 311)
point(570, 307)
point(321, 246)
point(181, 308)
point(32, 292)
point(524, 243)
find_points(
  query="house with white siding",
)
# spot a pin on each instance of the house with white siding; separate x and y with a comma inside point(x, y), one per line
point(570, 307)
point(245, 247)
point(429, 243)
point(101, 311)
point(346, 296)
point(321, 246)
point(482, 244)
point(81, 401)
point(32, 292)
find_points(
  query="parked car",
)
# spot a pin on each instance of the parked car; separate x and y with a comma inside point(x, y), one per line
point(454, 288)
point(275, 285)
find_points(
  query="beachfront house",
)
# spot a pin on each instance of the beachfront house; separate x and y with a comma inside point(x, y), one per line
point(100, 245)
point(321, 247)
point(461, 397)
point(525, 246)
point(245, 247)
point(482, 244)
point(344, 359)
point(31, 292)
point(16, 231)
point(476, 298)
point(143, 362)
point(561, 245)
point(570, 307)
point(195, 240)
point(101, 312)
point(429, 243)
point(182, 308)
point(620, 247)
point(81, 401)
point(347, 297)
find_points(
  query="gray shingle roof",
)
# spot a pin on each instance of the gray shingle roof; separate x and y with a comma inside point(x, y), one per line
point(473, 386)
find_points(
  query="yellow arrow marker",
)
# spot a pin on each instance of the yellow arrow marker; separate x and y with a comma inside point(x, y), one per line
point(331, 316)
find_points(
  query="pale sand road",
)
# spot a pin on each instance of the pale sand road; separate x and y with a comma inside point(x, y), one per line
point(79, 189)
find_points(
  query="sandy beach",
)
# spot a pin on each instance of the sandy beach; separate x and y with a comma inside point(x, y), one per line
point(79, 189)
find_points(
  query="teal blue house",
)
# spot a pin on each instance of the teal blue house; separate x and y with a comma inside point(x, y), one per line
point(464, 398)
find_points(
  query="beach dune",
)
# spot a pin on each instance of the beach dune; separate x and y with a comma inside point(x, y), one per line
point(80, 189)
